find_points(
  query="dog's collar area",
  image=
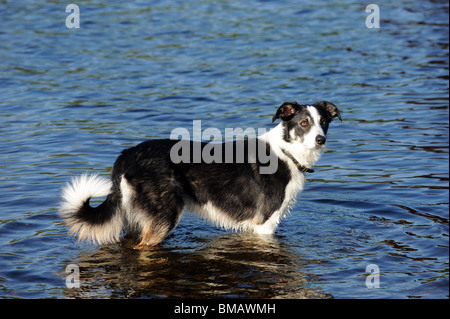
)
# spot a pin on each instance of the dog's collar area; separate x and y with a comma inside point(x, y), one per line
point(300, 167)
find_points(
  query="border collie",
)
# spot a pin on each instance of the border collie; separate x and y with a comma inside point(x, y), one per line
point(148, 191)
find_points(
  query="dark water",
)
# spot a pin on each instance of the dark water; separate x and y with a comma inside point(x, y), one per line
point(72, 99)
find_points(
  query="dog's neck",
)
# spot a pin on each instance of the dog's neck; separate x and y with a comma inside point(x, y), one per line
point(293, 151)
point(300, 167)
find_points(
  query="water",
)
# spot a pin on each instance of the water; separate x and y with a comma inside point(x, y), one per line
point(72, 99)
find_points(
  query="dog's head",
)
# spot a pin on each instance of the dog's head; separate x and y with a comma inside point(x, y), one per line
point(307, 124)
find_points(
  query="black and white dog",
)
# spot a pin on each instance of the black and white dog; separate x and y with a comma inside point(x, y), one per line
point(148, 191)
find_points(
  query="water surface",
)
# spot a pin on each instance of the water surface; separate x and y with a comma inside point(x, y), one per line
point(72, 99)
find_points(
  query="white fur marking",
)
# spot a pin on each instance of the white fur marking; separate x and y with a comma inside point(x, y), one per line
point(220, 218)
point(81, 189)
point(137, 220)
point(315, 130)
point(75, 195)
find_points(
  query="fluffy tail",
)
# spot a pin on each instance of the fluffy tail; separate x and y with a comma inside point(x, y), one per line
point(102, 224)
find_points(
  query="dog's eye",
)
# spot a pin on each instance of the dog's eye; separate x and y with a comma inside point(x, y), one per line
point(304, 123)
point(323, 123)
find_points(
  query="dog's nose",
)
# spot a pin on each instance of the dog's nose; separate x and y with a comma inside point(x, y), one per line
point(320, 139)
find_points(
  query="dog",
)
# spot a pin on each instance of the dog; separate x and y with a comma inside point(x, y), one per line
point(148, 192)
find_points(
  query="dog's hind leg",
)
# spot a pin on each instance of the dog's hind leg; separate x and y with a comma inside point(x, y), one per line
point(160, 214)
point(157, 227)
point(153, 207)
point(152, 236)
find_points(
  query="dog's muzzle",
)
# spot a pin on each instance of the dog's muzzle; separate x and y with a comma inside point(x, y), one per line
point(320, 139)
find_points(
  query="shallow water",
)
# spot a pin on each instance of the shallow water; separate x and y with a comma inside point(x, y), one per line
point(72, 99)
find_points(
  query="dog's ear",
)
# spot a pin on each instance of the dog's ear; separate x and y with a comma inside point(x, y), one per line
point(330, 109)
point(286, 111)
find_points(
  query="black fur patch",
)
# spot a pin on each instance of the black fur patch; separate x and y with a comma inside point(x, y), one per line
point(162, 187)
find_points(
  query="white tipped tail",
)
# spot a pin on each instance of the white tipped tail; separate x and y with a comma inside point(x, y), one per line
point(81, 189)
point(102, 224)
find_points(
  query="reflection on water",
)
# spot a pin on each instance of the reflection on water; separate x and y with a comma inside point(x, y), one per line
point(226, 266)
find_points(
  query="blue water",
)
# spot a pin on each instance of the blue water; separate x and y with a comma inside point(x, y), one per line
point(72, 99)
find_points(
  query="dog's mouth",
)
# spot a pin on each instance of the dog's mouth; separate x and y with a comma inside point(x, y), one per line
point(320, 147)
